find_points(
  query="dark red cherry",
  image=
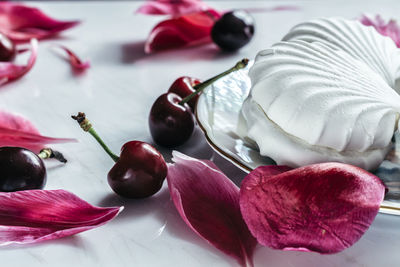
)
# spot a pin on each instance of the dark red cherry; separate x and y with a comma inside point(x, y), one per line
point(20, 169)
point(233, 30)
point(171, 121)
point(183, 86)
point(171, 124)
point(7, 49)
point(139, 172)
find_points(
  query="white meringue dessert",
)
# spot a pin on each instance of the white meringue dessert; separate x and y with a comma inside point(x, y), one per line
point(325, 95)
point(362, 42)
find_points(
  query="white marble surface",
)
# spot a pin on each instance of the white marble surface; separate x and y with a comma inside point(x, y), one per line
point(117, 93)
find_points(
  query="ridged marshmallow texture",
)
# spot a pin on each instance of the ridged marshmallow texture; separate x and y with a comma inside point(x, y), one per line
point(316, 101)
point(379, 52)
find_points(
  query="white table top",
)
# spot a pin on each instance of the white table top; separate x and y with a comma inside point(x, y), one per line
point(117, 93)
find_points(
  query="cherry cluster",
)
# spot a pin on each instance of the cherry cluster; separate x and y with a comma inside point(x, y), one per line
point(171, 119)
point(140, 170)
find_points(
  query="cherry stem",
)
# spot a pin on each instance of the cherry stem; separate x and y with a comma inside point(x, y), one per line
point(48, 153)
point(201, 86)
point(87, 127)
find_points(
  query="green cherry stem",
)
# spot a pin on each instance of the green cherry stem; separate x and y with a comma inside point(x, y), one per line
point(48, 153)
point(201, 86)
point(87, 127)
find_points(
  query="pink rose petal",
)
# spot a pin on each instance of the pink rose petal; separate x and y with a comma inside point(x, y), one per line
point(171, 7)
point(10, 71)
point(22, 23)
point(187, 30)
point(390, 29)
point(272, 9)
point(16, 130)
point(33, 216)
point(208, 202)
point(74, 60)
point(323, 207)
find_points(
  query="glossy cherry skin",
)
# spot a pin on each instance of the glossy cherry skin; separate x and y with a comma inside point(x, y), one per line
point(233, 30)
point(171, 124)
point(20, 169)
point(7, 49)
point(183, 86)
point(139, 172)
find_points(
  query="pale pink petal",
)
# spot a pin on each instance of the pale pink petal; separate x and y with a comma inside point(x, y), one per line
point(22, 23)
point(390, 29)
point(187, 30)
point(272, 9)
point(10, 71)
point(171, 7)
point(16, 130)
point(74, 60)
point(33, 216)
point(323, 208)
point(208, 202)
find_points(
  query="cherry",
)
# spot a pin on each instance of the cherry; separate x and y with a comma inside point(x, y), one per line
point(20, 169)
point(233, 30)
point(171, 121)
point(138, 172)
point(171, 124)
point(7, 49)
point(183, 86)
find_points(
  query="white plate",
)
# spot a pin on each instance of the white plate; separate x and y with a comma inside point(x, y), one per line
point(217, 114)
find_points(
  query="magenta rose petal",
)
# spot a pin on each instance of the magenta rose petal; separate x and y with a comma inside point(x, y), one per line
point(10, 71)
point(186, 30)
point(272, 9)
point(22, 23)
point(16, 130)
point(75, 62)
point(208, 202)
point(389, 29)
point(171, 7)
point(33, 216)
point(323, 208)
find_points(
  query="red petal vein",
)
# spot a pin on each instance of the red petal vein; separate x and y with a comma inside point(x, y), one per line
point(16, 130)
point(22, 23)
point(187, 30)
point(33, 216)
point(323, 207)
point(208, 202)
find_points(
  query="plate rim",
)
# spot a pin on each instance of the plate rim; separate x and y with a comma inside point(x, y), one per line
point(217, 149)
point(384, 207)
